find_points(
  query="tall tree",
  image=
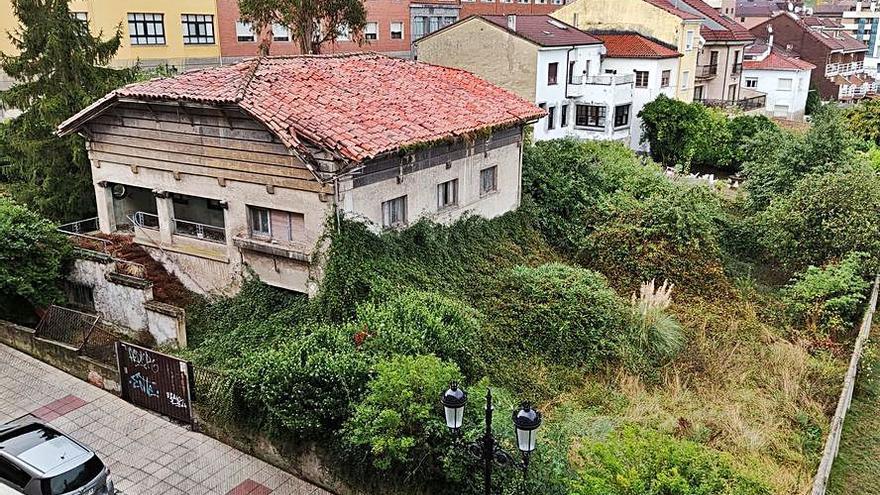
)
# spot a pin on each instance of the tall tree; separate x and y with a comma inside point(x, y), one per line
point(60, 68)
point(312, 23)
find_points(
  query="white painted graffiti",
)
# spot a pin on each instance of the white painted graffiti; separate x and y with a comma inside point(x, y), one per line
point(142, 359)
point(140, 382)
point(176, 400)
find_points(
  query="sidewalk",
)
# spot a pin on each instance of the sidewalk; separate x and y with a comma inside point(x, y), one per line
point(146, 454)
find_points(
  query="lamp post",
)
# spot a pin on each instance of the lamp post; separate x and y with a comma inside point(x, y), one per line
point(526, 422)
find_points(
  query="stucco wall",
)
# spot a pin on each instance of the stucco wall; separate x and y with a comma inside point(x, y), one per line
point(487, 51)
point(795, 100)
point(117, 303)
point(718, 87)
point(365, 202)
point(640, 16)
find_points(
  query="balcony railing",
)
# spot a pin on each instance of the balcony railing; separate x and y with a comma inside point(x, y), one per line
point(145, 220)
point(602, 80)
point(80, 226)
point(707, 71)
point(197, 230)
point(835, 68)
point(745, 104)
point(737, 69)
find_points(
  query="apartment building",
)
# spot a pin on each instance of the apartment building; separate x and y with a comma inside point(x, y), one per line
point(235, 168)
point(861, 19)
point(839, 58)
point(781, 76)
point(546, 61)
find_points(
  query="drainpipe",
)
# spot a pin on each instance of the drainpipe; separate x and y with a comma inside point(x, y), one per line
point(726, 68)
point(567, 67)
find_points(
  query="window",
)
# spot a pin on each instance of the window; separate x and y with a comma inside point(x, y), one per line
point(13, 474)
point(552, 70)
point(689, 41)
point(371, 31)
point(563, 116)
point(488, 180)
point(698, 93)
point(780, 111)
point(260, 222)
point(641, 78)
point(685, 79)
point(731, 92)
point(80, 16)
point(751, 82)
point(447, 194)
point(523, 1)
point(244, 31)
point(621, 116)
point(343, 33)
point(551, 118)
point(146, 29)
point(75, 479)
point(665, 76)
point(784, 85)
point(394, 212)
point(575, 19)
point(280, 32)
point(198, 29)
point(397, 30)
point(590, 116)
point(571, 72)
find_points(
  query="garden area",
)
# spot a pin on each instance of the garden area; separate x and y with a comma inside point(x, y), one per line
point(675, 339)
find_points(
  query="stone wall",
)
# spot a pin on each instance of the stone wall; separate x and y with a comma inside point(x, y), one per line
point(119, 299)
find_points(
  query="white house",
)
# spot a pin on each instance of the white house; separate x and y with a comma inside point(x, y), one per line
point(556, 65)
point(781, 76)
point(653, 65)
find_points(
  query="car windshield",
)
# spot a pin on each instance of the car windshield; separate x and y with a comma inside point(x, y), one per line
point(74, 479)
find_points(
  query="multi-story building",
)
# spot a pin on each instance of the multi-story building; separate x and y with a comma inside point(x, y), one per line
point(242, 165)
point(546, 61)
point(654, 67)
point(781, 76)
point(839, 58)
point(861, 19)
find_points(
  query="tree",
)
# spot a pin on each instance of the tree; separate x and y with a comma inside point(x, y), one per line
point(60, 70)
point(32, 256)
point(312, 23)
point(670, 126)
point(864, 120)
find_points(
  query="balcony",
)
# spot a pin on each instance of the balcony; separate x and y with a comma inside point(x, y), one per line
point(843, 69)
point(756, 102)
point(736, 69)
point(210, 233)
point(608, 88)
point(706, 72)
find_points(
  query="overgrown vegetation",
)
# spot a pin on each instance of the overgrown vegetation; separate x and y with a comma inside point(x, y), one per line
point(714, 386)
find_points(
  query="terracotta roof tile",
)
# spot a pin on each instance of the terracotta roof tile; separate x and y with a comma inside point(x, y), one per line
point(634, 45)
point(717, 27)
point(544, 30)
point(359, 106)
point(777, 60)
point(672, 9)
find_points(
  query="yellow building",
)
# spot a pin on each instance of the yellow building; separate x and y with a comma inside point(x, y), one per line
point(183, 33)
point(653, 18)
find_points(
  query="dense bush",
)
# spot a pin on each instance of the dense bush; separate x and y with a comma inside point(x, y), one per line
point(306, 386)
point(414, 322)
point(642, 462)
point(864, 120)
point(828, 299)
point(32, 256)
point(397, 419)
point(825, 217)
point(568, 315)
point(682, 134)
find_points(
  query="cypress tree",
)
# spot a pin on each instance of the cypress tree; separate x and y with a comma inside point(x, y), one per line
point(60, 68)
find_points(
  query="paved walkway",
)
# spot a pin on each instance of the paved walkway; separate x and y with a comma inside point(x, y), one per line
point(146, 454)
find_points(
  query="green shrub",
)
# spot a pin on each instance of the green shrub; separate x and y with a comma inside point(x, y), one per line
point(32, 257)
point(825, 217)
point(863, 120)
point(643, 462)
point(415, 322)
point(828, 299)
point(568, 315)
point(398, 419)
point(671, 128)
point(657, 335)
point(306, 386)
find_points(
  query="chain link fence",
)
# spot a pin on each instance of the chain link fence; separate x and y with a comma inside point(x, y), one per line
point(85, 332)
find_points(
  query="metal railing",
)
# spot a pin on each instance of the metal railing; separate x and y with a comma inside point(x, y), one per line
point(80, 226)
point(707, 71)
point(835, 68)
point(745, 104)
point(200, 231)
point(603, 80)
point(832, 443)
point(145, 220)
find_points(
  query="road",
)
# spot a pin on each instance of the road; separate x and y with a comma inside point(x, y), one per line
point(146, 454)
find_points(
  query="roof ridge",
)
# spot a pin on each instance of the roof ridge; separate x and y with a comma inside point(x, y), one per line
point(242, 91)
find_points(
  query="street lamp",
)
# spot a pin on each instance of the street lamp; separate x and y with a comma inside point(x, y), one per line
point(526, 422)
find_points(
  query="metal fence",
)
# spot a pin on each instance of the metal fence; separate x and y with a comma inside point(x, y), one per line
point(66, 325)
point(832, 444)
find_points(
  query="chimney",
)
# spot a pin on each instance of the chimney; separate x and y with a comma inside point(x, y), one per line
point(511, 22)
point(770, 40)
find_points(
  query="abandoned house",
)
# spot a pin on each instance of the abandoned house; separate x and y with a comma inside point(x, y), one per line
point(242, 166)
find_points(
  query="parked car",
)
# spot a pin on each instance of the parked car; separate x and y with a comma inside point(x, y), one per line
point(36, 459)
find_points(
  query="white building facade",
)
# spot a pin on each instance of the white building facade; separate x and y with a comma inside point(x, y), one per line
point(783, 78)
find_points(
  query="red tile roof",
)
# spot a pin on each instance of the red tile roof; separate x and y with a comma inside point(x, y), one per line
point(634, 45)
point(777, 60)
point(835, 40)
point(672, 9)
point(544, 30)
point(717, 27)
point(358, 106)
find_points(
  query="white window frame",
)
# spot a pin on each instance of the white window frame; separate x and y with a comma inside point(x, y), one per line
point(280, 32)
point(689, 41)
point(149, 21)
point(447, 194)
point(401, 31)
point(636, 78)
point(685, 79)
point(781, 87)
point(344, 33)
point(199, 22)
point(245, 30)
point(257, 222)
point(388, 221)
point(667, 75)
point(375, 33)
point(751, 82)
